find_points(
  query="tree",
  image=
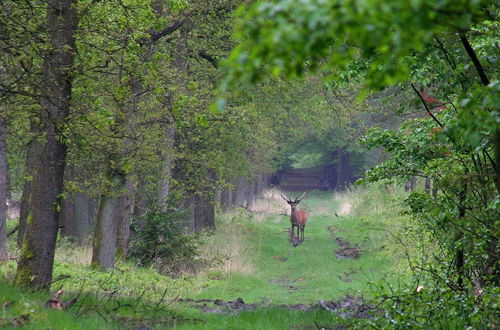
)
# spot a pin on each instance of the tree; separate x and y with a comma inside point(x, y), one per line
point(3, 189)
point(48, 152)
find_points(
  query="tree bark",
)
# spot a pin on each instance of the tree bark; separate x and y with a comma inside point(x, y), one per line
point(204, 206)
point(106, 232)
point(167, 167)
point(124, 221)
point(434, 189)
point(25, 198)
point(83, 209)
point(226, 200)
point(241, 192)
point(140, 204)
point(427, 185)
point(204, 213)
point(48, 152)
point(4, 256)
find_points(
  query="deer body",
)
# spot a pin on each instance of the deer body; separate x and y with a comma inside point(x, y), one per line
point(298, 218)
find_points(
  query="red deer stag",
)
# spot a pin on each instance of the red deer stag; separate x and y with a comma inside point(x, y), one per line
point(298, 218)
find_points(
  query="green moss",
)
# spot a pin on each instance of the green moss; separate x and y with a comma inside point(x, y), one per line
point(26, 251)
point(29, 219)
point(23, 276)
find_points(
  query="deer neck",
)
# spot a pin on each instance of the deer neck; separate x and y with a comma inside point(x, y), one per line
point(293, 215)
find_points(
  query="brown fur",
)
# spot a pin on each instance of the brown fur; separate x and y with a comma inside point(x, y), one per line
point(298, 218)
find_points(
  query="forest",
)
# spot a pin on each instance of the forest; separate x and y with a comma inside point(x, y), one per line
point(249, 164)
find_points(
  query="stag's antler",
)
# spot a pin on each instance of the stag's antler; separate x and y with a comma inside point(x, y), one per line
point(286, 199)
point(300, 198)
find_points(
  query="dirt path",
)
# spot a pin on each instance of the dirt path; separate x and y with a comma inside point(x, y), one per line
point(348, 306)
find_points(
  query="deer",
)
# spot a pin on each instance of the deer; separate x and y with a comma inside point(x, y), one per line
point(298, 218)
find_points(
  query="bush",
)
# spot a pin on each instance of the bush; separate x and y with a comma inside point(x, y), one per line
point(159, 241)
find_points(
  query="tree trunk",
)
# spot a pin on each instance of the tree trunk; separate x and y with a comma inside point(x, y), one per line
point(124, 221)
point(434, 189)
point(106, 232)
point(250, 185)
point(49, 153)
point(226, 200)
point(140, 204)
point(427, 185)
point(67, 219)
point(25, 198)
point(204, 213)
point(241, 192)
point(497, 159)
point(413, 183)
point(83, 208)
point(167, 167)
point(4, 256)
point(204, 206)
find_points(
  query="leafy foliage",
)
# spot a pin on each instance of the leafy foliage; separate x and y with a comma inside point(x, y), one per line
point(159, 241)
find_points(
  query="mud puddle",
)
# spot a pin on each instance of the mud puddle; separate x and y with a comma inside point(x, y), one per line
point(345, 251)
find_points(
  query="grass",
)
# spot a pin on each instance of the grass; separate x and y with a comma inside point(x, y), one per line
point(250, 257)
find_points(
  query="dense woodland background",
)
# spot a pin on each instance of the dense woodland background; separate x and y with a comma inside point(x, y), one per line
point(128, 125)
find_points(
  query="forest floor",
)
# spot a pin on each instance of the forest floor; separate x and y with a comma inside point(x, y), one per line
point(257, 278)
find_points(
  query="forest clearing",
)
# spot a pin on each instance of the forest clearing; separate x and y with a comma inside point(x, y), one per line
point(249, 164)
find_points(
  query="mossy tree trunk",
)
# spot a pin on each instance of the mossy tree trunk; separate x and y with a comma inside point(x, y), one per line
point(3, 189)
point(124, 221)
point(48, 153)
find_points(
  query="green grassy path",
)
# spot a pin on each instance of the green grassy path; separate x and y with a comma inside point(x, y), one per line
point(284, 274)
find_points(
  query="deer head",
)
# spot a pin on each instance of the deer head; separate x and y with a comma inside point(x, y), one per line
point(293, 203)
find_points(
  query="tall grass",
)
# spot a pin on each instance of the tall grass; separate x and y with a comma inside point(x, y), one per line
point(227, 250)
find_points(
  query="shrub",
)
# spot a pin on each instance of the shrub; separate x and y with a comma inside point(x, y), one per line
point(160, 241)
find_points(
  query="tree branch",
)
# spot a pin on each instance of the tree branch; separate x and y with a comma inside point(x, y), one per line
point(472, 54)
point(426, 107)
point(212, 60)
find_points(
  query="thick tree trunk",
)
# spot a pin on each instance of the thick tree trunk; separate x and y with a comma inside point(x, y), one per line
point(48, 152)
point(106, 231)
point(124, 222)
point(497, 159)
point(3, 190)
point(25, 198)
